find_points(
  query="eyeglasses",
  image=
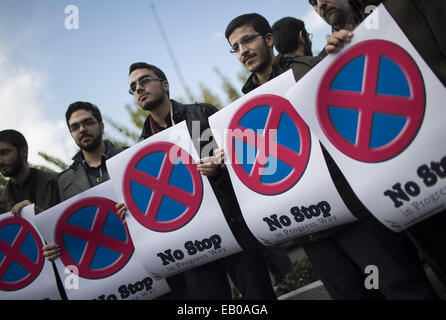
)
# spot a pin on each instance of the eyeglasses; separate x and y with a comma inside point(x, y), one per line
point(143, 81)
point(87, 123)
point(246, 40)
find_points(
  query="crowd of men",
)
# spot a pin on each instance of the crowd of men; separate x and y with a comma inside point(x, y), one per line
point(339, 255)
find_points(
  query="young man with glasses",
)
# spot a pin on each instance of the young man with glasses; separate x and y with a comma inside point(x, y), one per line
point(149, 86)
point(251, 39)
point(84, 121)
point(88, 170)
point(339, 255)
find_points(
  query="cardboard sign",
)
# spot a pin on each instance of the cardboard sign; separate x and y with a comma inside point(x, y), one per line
point(175, 219)
point(24, 272)
point(276, 166)
point(97, 254)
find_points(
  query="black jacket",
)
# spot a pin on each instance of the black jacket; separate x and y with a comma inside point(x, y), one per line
point(221, 184)
point(74, 180)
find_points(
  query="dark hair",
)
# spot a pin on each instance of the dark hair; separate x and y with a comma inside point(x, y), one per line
point(15, 138)
point(255, 20)
point(81, 105)
point(286, 34)
point(142, 65)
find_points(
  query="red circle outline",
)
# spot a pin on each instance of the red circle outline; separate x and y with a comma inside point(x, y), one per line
point(160, 184)
point(104, 206)
point(21, 237)
point(368, 101)
point(298, 161)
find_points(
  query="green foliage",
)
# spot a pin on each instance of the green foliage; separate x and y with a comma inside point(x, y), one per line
point(300, 275)
point(57, 162)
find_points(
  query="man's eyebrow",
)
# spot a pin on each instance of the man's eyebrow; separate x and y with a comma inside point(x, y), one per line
point(146, 75)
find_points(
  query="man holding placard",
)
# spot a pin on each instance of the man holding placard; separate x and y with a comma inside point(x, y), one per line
point(149, 86)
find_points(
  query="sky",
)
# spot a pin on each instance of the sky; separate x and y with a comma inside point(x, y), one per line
point(45, 66)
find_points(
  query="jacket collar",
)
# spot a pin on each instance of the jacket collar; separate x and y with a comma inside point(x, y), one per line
point(253, 82)
point(110, 151)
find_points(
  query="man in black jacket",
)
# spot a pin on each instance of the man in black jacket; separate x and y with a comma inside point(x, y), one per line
point(149, 86)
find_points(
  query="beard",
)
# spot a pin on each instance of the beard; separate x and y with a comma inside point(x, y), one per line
point(339, 18)
point(16, 167)
point(153, 104)
point(92, 145)
point(265, 61)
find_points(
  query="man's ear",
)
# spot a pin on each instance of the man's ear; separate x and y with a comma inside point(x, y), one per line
point(165, 85)
point(102, 127)
point(24, 154)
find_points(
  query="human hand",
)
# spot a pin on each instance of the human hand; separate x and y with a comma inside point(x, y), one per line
point(18, 207)
point(122, 210)
point(51, 251)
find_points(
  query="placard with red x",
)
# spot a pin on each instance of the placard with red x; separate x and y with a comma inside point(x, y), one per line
point(270, 126)
point(371, 101)
point(162, 187)
point(21, 256)
point(93, 238)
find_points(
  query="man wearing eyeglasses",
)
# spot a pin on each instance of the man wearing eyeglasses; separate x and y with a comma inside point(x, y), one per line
point(84, 121)
point(149, 86)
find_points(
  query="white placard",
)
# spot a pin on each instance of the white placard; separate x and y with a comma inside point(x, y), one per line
point(379, 110)
point(97, 253)
point(24, 271)
point(175, 219)
point(276, 166)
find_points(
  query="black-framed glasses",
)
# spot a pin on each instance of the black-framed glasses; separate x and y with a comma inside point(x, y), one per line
point(87, 123)
point(246, 40)
point(143, 81)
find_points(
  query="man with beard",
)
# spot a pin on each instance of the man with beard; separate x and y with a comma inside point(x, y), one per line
point(150, 88)
point(26, 185)
point(251, 39)
point(84, 121)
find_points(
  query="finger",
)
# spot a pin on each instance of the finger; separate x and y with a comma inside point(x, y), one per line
point(50, 246)
point(119, 205)
point(53, 257)
point(331, 49)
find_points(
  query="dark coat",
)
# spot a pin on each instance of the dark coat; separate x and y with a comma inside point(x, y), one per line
point(74, 180)
point(46, 194)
